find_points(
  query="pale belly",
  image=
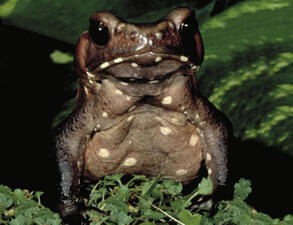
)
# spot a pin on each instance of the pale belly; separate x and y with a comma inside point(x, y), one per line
point(148, 141)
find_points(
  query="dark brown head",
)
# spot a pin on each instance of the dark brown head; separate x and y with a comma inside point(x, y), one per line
point(141, 51)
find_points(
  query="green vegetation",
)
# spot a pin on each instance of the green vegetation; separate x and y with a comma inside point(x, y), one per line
point(21, 207)
point(140, 200)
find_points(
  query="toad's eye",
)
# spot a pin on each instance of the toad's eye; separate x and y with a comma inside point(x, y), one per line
point(191, 39)
point(189, 27)
point(99, 33)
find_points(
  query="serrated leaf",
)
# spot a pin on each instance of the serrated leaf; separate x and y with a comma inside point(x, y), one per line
point(26, 208)
point(5, 201)
point(151, 214)
point(205, 187)
point(173, 188)
point(123, 193)
point(242, 189)
point(149, 186)
point(20, 220)
point(123, 218)
point(116, 205)
point(262, 219)
point(19, 195)
point(178, 204)
point(186, 217)
point(288, 218)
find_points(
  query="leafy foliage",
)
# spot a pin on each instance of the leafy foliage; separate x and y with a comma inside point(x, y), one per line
point(143, 200)
point(124, 200)
point(21, 207)
point(248, 67)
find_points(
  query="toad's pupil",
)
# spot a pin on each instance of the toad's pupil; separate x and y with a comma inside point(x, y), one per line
point(100, 34)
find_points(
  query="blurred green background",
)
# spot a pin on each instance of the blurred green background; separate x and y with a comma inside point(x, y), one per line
point(247, 73)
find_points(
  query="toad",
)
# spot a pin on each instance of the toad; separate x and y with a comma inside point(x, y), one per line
point(138, 109)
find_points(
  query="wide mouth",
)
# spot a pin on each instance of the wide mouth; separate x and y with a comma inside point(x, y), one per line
point(148, 67)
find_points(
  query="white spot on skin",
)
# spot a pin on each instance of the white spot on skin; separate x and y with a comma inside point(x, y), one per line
point(183, 58)
point(86, 91)
point(181, 172)
point(210, 171)
point(130, 118)
point(97, 128)
point(200, 133)
point(104, 65)
point(105, 114)
point(194, 67)
point(131, 108)
point(202, 123)
point(153, 81)
point(120, 27)
point(174, 120)
point(118, 92)
point(165, 130)
point(124, 83)
point(167, 100)
point(158, 59)
point(208, 157)
point(128, 98)
point(104, 153)
point(159, 35)
point(118, 60)
point(90, 74)
point(193, 140)
point(134, 65)
point(130, 162)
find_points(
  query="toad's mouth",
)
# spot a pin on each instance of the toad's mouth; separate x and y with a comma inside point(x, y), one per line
point(148, 67)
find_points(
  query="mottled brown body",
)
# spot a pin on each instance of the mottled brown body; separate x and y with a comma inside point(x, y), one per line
point(137, 109)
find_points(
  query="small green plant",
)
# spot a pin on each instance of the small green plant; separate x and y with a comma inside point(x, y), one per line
point(141, 200)
point(124, 200)
point(145, 201)
point(21, 207)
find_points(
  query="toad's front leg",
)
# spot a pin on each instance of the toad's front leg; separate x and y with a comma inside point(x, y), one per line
point(216, 133)
point(69, 143)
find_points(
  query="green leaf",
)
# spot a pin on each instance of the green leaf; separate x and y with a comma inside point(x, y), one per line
point(173, 188)
point(242, 189)
point(5, 202)
point(123, 218)
point(147, 223)
point(59, 57)
point(123, 193)
point(288, 218)
point(115, 204)
point(149, 186)
point(187, 218)
point(205, 187)
point(19, 195)
point(151, 214)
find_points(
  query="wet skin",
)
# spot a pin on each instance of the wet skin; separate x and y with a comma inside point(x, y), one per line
point(137, 108)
